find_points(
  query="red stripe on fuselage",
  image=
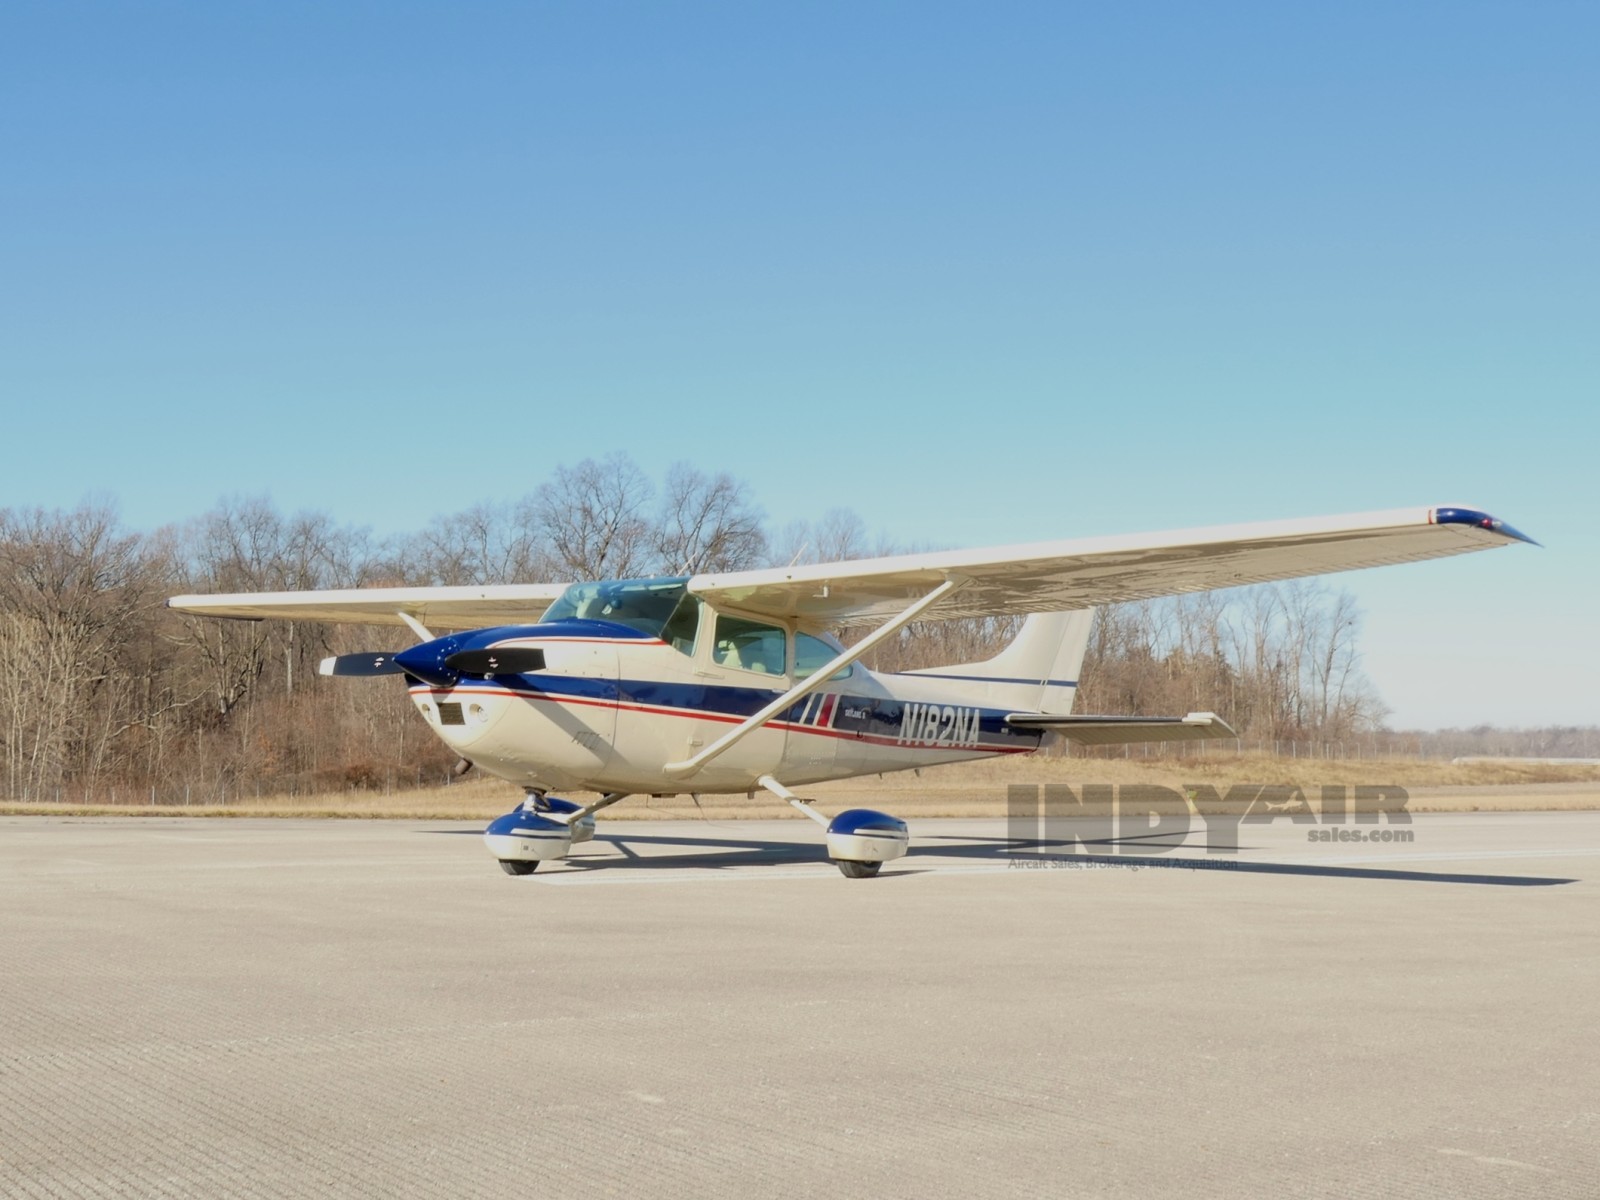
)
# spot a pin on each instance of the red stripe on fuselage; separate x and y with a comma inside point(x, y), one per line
point(830, 704)
point(700, 714)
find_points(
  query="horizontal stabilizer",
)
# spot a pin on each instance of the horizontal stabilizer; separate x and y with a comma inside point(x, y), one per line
point(1115, 731)
point(360, 664)
point(506, 660)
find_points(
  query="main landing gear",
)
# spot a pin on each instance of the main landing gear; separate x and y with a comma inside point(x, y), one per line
point(860, 840)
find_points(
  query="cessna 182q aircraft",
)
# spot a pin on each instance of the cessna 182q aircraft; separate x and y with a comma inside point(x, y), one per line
point(736, 682)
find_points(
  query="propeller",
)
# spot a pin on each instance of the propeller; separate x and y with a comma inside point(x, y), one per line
point(507, 660)
point(427, 662)
point(360, 664)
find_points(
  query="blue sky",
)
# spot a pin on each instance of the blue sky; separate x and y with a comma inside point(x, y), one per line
point(985, 273)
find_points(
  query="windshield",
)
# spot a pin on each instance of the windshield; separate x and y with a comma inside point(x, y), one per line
point(642, 604)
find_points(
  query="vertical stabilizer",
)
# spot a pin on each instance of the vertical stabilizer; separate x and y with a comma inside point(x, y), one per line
point(1037, 672)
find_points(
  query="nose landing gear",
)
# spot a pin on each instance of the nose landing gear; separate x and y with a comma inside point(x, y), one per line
point(543, 827)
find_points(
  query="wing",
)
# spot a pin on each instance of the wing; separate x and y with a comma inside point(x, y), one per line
point(1053, 576)
point(435, 607)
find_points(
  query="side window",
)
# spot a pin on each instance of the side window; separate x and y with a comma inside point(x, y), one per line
point(812, 654)
point(749, 645)
point(679, 631)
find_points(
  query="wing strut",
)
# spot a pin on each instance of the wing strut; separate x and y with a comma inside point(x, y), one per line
point(688, 766)
point(417, 627)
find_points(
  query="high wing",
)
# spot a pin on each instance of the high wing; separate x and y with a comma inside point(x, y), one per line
point(1083, 573)
point(994, 581)
point(435, 607)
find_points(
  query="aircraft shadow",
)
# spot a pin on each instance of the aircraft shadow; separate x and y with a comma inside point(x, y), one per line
point(1040, 855)
point(715, 853)
point(1023, 853)
point(1046, 852)
point(1268, 868)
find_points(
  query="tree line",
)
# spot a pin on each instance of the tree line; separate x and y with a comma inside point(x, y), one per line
point(102, 687)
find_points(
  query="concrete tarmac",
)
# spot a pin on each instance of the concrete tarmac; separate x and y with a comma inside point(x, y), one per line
point(371, 1008)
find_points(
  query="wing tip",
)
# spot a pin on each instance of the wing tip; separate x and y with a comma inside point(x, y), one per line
point(1476, 518)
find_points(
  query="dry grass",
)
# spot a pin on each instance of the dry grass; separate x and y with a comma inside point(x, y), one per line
point(964, 790)
point(467, 800)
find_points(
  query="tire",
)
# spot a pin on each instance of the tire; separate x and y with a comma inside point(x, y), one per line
point(857, 870)
point(517, 866)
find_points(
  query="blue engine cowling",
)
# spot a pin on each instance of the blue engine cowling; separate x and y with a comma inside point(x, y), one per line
point(862, 835)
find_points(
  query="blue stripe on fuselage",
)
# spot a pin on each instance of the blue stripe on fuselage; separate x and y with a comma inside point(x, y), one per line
point(865, 716)
point(879, 718)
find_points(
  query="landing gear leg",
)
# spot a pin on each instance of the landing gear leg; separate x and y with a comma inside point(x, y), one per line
point(860, 841)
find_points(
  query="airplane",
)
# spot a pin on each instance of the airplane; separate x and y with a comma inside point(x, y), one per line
point(738, 682)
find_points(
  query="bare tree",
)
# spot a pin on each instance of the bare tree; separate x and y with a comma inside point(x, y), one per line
point(593, 517)
point(1278, 660)
point(838, 535)
point(707, 523)
point(75, 595)
point(246, 545)
point(487, 543)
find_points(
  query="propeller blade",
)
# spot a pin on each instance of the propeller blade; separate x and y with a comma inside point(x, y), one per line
point(508, 660)
point(360, 664)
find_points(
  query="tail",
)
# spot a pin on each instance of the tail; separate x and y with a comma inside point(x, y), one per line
point(1037, 672)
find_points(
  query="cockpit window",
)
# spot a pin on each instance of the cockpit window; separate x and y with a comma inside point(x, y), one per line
point(681, 628)
point(642, 604)
point(749, 645)
point(811, 654)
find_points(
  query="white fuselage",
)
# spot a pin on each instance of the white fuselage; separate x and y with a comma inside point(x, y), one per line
point(608, 712)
